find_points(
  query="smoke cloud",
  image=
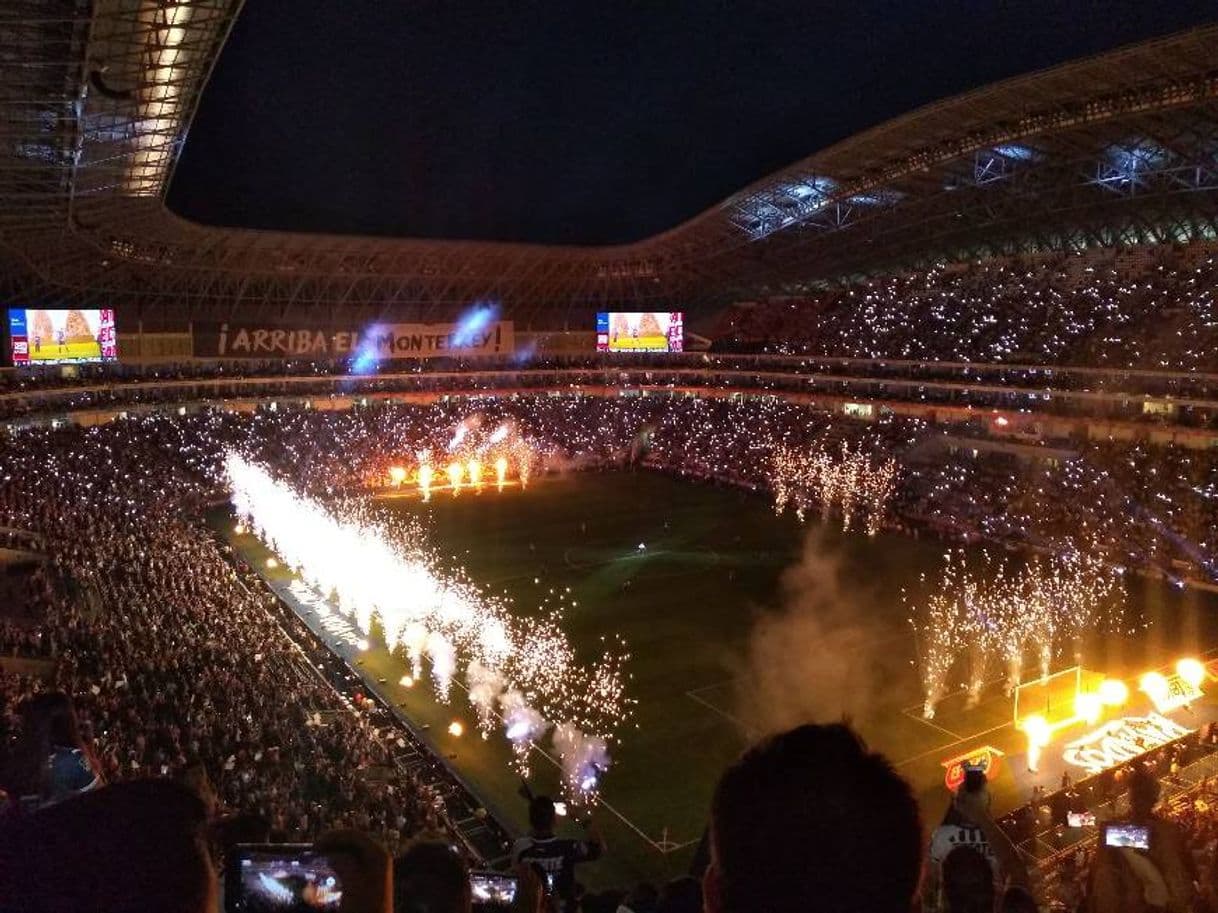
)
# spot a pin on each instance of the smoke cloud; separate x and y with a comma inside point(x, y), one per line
point(583, 757)
point(824, 655)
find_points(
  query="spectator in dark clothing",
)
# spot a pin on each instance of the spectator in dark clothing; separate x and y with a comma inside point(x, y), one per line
point(1160, 877)
point(135, 847)
point(811, 821)
point(641, 900)
point(431, 877)
point(968, 882)
point(681, 895)
point(51, 761)
point(1017, 900)
point(555, 856)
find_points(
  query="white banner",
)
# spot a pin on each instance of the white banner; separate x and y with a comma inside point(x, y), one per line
point(375, 341)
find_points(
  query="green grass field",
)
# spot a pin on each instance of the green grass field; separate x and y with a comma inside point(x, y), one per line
point(53, 351)
point(739, 622)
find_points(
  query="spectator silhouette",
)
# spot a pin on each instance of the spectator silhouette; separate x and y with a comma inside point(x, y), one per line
point(431, 877)
point(811, 821)
point(681, 895)
point(1161, 877)
point(968, 882)
point(555, 856)
point(134, 847)
point(50, 761)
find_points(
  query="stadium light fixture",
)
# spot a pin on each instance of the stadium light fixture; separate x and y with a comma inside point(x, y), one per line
point(160, 113)
point(1017, 151)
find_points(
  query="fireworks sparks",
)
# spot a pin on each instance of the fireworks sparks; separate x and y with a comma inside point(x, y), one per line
point(522, 673)
point(991, 615)
point(425, 475)
point(468, 455)
point(841, 484)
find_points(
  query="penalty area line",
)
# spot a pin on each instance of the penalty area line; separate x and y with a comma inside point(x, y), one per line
point(921, 719)
point(968, 738)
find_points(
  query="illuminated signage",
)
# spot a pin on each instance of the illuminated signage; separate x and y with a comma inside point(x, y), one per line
point(1170, 692)
point(1121, 740)
point(984, 759)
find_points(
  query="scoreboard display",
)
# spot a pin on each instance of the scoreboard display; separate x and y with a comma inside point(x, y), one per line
point(41, 336)
point(640, 331)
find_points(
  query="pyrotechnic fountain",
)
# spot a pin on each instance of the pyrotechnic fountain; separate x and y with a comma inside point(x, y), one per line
point(993, 615)
point(841, 484)
point(470, 455)
point(522, 671)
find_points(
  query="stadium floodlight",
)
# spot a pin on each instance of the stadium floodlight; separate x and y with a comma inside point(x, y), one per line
point(1128, 163)
point(160, 111)
point(1017, 151)
point(784, 204)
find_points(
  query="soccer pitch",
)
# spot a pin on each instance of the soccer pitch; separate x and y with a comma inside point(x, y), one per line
point(682, 571)
point(738, 623)
point(53, 351)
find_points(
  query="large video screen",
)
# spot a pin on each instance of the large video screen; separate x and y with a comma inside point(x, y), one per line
point(640, 331)
point(55, 337)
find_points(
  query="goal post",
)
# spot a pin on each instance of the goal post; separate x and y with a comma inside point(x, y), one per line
point(1052, 697)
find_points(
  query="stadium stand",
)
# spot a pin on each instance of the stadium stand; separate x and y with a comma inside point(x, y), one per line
point(1147, 308)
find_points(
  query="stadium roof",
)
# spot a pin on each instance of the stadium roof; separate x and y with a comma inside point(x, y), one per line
point(98, 98)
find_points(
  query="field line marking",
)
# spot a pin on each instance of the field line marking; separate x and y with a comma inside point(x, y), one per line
point(680, 846)
point(726, 681)
point(727, 716)
point(976, 735)
point(921, 719)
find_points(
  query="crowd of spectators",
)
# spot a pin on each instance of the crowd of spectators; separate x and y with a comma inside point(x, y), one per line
point(176, 661)
point(1076, 335)
point(807, 819)
point(1191, 824)
point(1150, 308)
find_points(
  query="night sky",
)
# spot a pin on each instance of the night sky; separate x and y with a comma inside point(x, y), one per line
point(584, 122)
